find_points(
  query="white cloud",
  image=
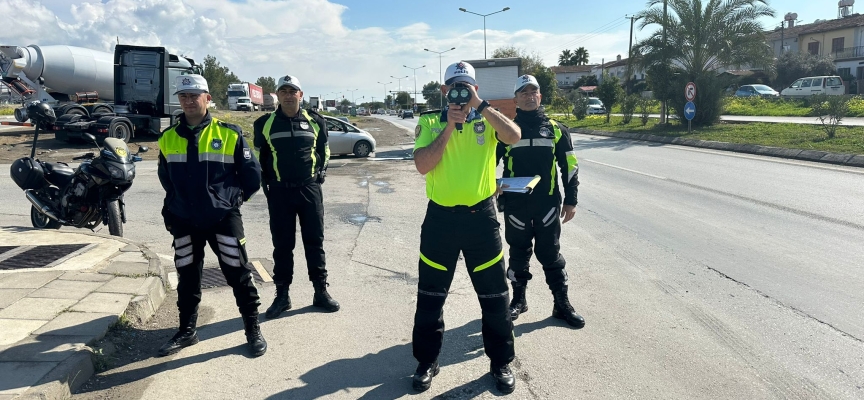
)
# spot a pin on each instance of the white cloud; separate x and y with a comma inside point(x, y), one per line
point(306, 38)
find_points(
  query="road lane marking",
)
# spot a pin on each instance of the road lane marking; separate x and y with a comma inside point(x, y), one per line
point(625, 169)
point(763, 203)
point(265, 276)
point(756, 157)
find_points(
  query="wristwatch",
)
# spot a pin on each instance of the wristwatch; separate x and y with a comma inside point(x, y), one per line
point(482, 106)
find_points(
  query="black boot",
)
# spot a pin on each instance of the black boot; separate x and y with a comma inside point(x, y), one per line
point(563, 310)
point(504, 379)
point(185, 336)
point(281, 303)
point(322, 298)
point(257, 344)
point(518, 305)
point(424, 374)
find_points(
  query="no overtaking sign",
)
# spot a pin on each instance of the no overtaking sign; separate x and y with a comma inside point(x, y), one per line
point(690, 91)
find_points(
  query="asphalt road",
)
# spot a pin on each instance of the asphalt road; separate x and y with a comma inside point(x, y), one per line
point(701, 274)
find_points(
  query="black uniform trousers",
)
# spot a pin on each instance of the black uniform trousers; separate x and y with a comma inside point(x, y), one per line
point(474, 231)
point(534, 218)
point(227, 240)
point(286, 204)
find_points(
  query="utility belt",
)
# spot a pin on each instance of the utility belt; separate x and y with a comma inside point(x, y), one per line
point(291, 185)
point(464, 209)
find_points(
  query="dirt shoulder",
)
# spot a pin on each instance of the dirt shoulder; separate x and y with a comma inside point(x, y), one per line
point(16, 142)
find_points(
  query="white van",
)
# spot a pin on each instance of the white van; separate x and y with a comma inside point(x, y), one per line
point(830, 85)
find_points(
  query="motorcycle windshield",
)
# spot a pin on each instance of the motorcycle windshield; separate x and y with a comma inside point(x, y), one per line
point(116, 150)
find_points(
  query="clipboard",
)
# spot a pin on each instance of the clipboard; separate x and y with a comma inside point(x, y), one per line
point(522, 184)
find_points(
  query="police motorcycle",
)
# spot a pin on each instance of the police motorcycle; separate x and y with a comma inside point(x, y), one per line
point(83, 197)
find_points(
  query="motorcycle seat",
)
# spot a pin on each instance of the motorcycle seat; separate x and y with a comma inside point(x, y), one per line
point(58, 173)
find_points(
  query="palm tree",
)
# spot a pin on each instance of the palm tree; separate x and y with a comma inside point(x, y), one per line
point(580, 57)
point(565, 57)
point(702, 37)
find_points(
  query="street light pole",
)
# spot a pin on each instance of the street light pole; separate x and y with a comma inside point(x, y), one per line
point(398, 84)
point(352, 96)
point(385, 94)
point(484, 24)
point(415, 83)
point(440, 82)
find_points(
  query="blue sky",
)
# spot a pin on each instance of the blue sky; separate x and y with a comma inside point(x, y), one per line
point(335, 46)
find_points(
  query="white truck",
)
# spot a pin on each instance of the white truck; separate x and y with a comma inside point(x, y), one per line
point(245, 97)
point(315, 104)
point(270, 102)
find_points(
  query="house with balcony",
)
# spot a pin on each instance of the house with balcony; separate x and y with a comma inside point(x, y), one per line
point(841, 38)
point(617, 68)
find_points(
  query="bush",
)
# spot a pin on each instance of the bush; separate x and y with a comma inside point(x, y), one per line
point(580, 107)
point(645, 106)
point(610, 93)
point(830, 110)
point(7, 110)
point(628, 107)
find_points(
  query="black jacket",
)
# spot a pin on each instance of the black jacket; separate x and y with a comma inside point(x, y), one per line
point(538, 152)
point(202, 191)
point(300, 157)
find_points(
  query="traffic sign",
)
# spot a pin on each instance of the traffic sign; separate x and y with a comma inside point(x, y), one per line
point(689, 110)
point(690, 91)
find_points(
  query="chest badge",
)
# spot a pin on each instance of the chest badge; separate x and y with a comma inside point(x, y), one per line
point(479, 127)
point(304, 125)
point(216, 144)
point(545, 132)
point(481, 139)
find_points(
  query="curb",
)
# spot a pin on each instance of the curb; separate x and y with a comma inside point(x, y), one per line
point(851, 160)
point(78, 368)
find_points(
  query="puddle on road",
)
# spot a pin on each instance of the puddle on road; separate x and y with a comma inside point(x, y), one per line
point(384, 187)
point(360, 219)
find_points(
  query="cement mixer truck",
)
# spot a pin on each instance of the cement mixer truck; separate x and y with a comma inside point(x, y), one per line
point(141, 85)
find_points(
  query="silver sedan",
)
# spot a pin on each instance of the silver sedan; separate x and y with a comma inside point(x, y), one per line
point(345, 138)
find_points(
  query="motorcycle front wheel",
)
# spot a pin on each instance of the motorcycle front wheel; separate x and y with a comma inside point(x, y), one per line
point(115, 224)
point(41, 221)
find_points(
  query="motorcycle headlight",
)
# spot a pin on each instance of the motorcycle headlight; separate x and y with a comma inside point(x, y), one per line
point(116, 172)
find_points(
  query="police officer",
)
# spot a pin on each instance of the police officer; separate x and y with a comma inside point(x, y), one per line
point(455, 149)
point(208, 171)
point(292, 146)
point(544, 144)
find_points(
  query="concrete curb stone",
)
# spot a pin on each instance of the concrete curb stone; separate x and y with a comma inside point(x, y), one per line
point(77, 368)
point(852, 160)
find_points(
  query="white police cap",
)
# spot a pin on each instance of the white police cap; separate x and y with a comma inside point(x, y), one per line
point(459, 72)
point(191, 84)
point(523, 81)
point(289, 80)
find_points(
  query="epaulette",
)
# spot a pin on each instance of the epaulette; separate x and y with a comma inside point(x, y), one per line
point(233, 127)
point(430, 112)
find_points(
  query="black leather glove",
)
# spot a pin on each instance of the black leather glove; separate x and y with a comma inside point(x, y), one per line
point(322, 175)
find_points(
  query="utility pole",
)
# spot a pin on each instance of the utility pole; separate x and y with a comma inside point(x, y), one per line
point(665, 61)
point(630, 55)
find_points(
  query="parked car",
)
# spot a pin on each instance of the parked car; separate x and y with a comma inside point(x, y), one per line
point(595, 106)
point(407, 114)
point(756, 90)
point(830, 85)
point(345, 138)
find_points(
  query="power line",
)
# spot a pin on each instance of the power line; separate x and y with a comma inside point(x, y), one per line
point(585, 36)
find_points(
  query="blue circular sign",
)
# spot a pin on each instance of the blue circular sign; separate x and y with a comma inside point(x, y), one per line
point(689, 110)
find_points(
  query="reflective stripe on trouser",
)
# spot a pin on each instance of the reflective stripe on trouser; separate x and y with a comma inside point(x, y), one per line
point(226, 239)
point(443, 235)
point(285, 206)
point(534, 219)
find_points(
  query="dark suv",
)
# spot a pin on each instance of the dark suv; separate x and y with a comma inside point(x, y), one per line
point(407, 114)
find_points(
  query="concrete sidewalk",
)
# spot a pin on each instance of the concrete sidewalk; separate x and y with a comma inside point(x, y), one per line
point(59, 292)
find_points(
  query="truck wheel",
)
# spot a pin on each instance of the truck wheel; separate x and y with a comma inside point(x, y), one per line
point(102, 110)
point(120, 130)
point(41, 221)
point(115, 224)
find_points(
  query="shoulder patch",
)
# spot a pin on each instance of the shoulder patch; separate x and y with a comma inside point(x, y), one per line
point(431, 112)
point(417, 131)
point(235, 128)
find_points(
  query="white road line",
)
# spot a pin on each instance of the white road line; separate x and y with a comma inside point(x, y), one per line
point(625, 169)
point(801, 163)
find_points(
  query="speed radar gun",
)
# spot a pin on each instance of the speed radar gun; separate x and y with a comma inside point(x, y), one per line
point(459, 95)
